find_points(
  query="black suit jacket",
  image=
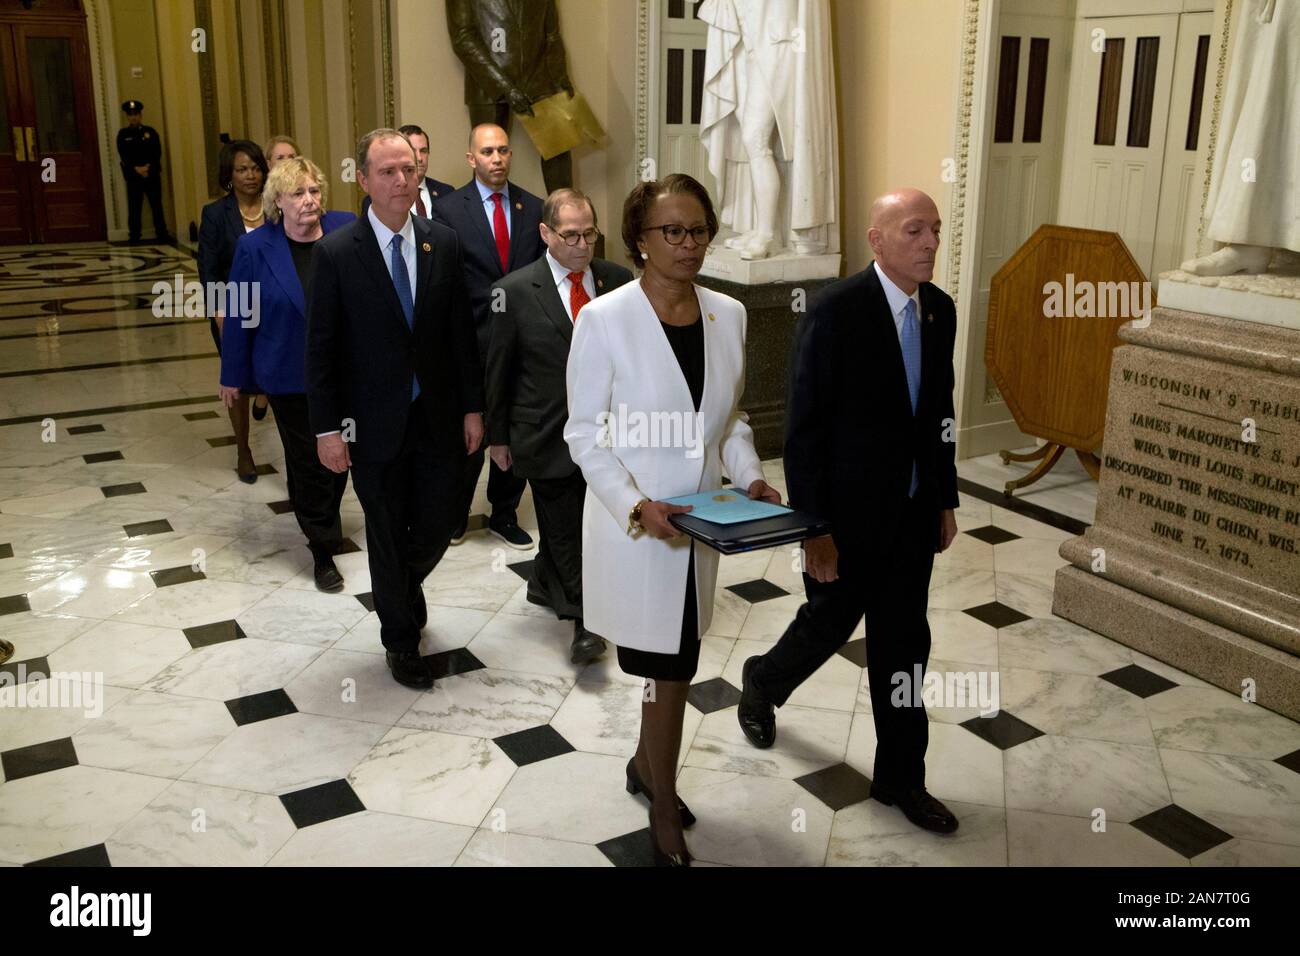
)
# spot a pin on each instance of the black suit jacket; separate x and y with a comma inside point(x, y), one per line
point(360, 353)
point(437, 188)
point(527, 401)
point(463, 212)
point(851, 436)
point(221, 227)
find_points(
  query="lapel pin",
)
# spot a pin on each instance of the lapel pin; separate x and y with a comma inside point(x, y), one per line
point(427, 248)
point(600, 283)
point(712, 317)
point(519, 205)
point(929, 317)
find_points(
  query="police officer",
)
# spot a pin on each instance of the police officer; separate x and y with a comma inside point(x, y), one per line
point(140, 151)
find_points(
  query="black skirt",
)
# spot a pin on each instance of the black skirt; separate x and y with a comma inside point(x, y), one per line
point(681, 665)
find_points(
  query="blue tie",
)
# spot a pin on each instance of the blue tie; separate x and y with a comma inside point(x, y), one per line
point(402, 283)
point(911, 343)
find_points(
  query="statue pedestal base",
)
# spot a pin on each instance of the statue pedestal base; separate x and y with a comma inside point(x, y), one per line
point(1194, 558)
point(726, 264)
point(1270, 299)
point(769, 336)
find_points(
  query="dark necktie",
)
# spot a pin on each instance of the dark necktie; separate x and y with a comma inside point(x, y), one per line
point(402, 283)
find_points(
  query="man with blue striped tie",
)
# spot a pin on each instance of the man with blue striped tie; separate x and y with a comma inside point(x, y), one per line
point(394, 385)
point(870, 447)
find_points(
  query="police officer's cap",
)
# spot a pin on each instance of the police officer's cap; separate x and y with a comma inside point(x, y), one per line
point(132, 106)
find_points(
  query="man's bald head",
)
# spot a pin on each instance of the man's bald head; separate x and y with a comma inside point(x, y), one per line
point(489, 154)
point(904, 236)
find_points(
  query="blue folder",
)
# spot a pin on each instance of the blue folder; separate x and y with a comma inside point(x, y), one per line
point(730, 522)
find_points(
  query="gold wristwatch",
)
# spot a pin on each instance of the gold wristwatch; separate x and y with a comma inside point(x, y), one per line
point(634, 526)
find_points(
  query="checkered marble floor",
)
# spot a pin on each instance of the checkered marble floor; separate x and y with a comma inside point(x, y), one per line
point(246, 719)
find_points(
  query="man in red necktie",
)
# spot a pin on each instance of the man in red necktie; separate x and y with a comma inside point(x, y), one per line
point(498, 227)
point(527, 400)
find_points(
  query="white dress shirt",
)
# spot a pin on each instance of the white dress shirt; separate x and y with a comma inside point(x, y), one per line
point(490, 208)
point(565, 288)
point(898, 300)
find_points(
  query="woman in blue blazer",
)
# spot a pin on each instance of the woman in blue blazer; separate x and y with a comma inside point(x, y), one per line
point(242, 172)
point(265, 345)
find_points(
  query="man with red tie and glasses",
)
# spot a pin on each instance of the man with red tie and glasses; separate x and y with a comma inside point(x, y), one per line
point(527, 404)
point(498, 227)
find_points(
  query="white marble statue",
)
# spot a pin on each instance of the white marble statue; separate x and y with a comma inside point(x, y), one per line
point(768, 114)
point(1254, 201)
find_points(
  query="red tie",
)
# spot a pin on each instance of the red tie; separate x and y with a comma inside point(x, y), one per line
point(419, 205)
point(577, 294)
point(502, 232)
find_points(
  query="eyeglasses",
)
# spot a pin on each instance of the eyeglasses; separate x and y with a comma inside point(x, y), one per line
point(571, 238)
point(675, 233)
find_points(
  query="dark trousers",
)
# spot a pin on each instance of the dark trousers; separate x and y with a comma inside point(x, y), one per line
point(557, 570)
point(407, 502)
point(557, 172)
point(314, 490)
point(136, 191)
point(888, 582)
point(505, 489)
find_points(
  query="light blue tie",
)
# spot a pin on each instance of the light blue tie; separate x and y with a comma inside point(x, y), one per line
point(911, 343)
point(402, 283)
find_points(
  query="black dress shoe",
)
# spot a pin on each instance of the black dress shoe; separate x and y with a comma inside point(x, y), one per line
point(635, 786)
point(458, 536)
point(667, 859)
point(259, 411)
point(419, 609)
point(513, 535)
point(409, 668)
point(757, 717)
point(327, 575)
point(586, 645)
point(919, 807)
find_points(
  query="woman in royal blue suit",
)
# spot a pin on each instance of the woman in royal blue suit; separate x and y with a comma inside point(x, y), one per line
point(269, 352)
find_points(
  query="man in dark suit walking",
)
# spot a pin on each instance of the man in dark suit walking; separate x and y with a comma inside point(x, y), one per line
point(427, 189)
point(527, 401)
point(870, 446)
point(497, 223)
point(394, 385)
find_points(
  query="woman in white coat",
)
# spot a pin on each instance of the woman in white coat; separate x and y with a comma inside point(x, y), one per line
point(655, 372)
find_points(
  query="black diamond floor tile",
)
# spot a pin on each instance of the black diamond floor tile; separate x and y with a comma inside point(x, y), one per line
point(258, 707)
point(757, 590)
point(328, 801)
point(1291, 761)
point(534, 744)
point(367, 600)
point(522, 568)
point(141, 528)
point(452, 662)
point(1138, 680)
point(96, 855)
point(20, 672)
point(204, 635)
point(265, 470)
point(838, 787)
point(996, 614)
point(85, 429)
point(348, 546)
point(117, 491)
point(1182, 831)
point(710, 695)
point(1003, 731)
point(855, 651)
point(14, 604)
point(166, 577)
point(630, 849)
point(200, 416)
point(38, 758)
point(990, 534)
point(6, 551)
point(222, 441)
point(99, 456)
point(280, 507)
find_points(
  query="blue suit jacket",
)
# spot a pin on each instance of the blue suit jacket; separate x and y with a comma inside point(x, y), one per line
point(272, 355)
